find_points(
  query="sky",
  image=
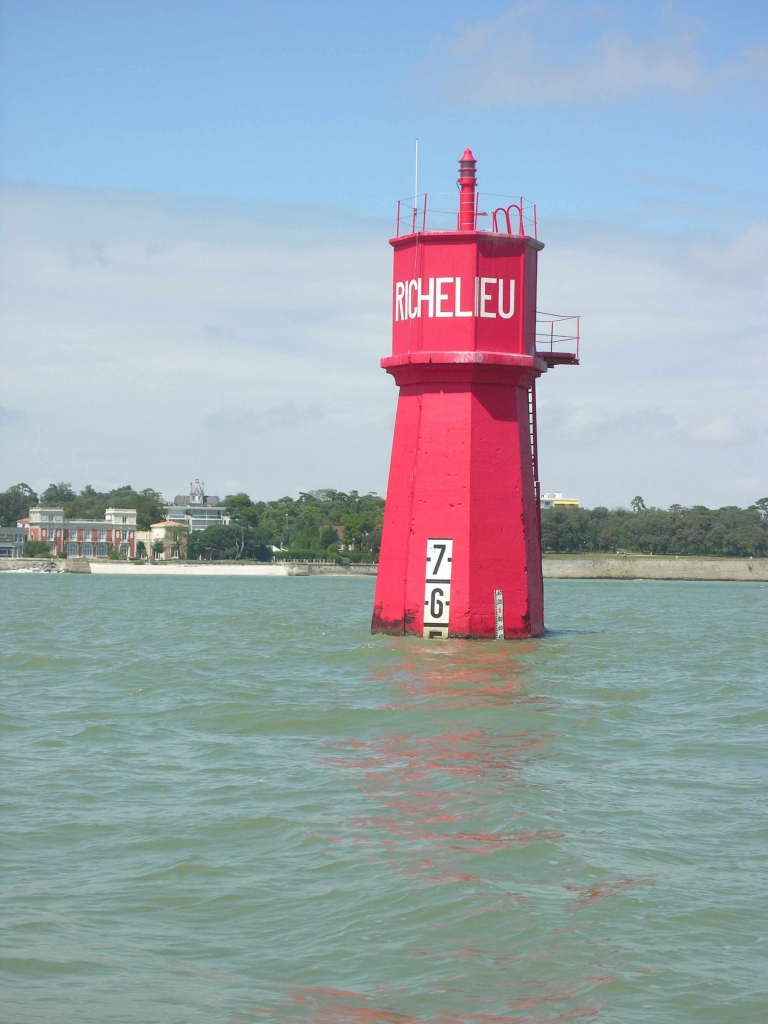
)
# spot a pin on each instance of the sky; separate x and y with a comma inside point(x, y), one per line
point(196, 197)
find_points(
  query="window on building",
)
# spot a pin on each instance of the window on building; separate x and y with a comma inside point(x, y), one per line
point(125, 519)
point(124, 548)
point(101, 550)
point(87, 550)
point(102, 534)
point(72, 550)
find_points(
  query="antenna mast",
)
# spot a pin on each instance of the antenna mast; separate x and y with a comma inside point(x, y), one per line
point(416, 179)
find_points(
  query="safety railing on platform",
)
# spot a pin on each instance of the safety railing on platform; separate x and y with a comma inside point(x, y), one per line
point(438, 211)
point(555, 333)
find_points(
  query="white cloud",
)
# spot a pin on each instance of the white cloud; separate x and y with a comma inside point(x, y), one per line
point(556, 53)
point(10, 418)
point(591, 424)
point(669, 400)
point(153, 339)
point(287, 416)
point(723, 430)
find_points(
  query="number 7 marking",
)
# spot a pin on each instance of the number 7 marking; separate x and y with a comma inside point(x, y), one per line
point(441, 548)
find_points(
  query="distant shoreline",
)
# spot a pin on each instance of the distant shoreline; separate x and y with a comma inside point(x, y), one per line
point(630, 566)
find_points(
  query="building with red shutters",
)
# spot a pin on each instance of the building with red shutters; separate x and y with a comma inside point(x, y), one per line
point(84, 538)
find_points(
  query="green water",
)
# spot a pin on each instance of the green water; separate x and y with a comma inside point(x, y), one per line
point(222, 800)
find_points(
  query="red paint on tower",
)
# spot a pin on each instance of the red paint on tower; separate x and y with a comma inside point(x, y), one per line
point(467, 182)
point(461, 546)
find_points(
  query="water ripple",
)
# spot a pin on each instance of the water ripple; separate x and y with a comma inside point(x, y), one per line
point(223, 800)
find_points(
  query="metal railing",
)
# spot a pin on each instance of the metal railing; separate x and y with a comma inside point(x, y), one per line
point(553, 332)
point(496, 214)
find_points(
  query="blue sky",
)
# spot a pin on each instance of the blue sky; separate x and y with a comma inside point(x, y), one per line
point(638, 128)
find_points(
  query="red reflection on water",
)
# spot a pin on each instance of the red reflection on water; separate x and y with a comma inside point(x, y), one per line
point(475, 753)
point(601, 890)
point(441, 799)
point(456, 673)
point(331, 1006)
point(414, 780)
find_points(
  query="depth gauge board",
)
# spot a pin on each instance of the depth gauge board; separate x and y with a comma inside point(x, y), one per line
point(437, 591)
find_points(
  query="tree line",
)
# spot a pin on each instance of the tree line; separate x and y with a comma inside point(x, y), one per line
point(678, 530)
point(310, 526)
point(313, 525)
point(16, 502)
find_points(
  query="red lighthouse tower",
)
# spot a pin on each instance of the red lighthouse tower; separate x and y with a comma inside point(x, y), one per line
point(461, 545)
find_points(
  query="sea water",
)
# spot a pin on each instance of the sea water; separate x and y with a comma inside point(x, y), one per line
point(222, 800)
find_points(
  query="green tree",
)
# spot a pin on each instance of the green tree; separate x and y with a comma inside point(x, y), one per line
point(150, 508)
point(88, 504)
point(36, 549)
point(329, 538)
point(227, 542)
point(637, 504)
point(15, 504)
point(245, 515)
point(178, 537)
point(684, 531)
point(92, 504)
point(149, 504)
point(56, 495)
point(241, 509)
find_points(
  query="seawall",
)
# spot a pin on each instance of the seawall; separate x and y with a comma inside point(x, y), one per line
point(229, 569)
point(599, 567)
point(650, 567)
point(44, 565)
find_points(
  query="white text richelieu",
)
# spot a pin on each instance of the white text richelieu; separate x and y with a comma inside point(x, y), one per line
point(448, 296)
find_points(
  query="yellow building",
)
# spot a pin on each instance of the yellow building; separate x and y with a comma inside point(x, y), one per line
point(557, 500)
point(173, 537)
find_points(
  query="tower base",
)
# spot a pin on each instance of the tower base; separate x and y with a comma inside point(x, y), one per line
point(461, 549)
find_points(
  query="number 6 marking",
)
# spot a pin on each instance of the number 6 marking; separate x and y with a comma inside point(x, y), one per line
point(437, 599)
point(435, 604)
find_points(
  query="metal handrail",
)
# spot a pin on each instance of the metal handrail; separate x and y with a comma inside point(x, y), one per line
point(413, 216)
point(549, 338)
point(505, 211)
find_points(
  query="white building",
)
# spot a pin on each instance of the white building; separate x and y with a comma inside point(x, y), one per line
point(557, 500)
point(197, 510)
